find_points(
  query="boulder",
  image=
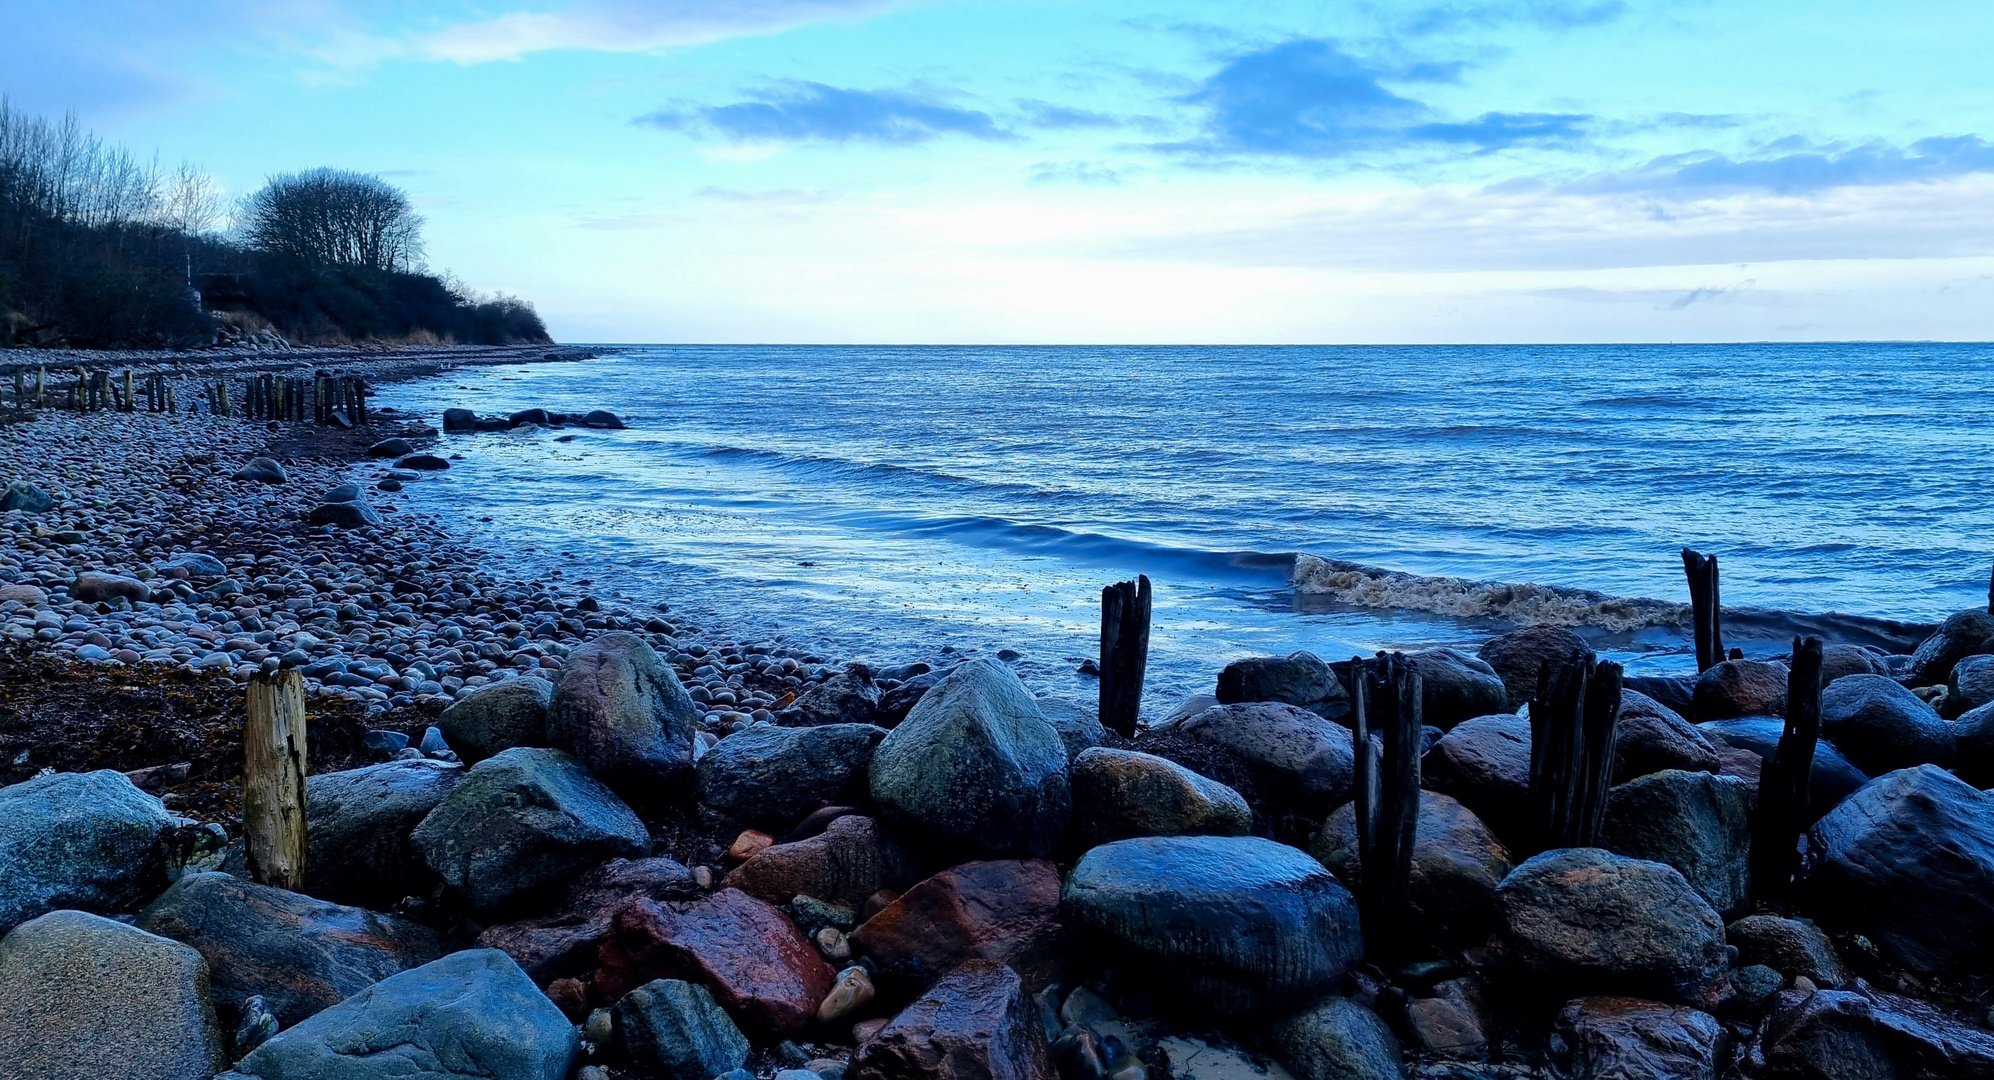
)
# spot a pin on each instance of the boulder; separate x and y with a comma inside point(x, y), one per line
point(531, 416)
point(846, 863)
point(1909, 860)
point(191, 564)
point(1740, 688)
point(1971, 684)
point(1336, 1039)
point(1118, 794)
point(76, 840)
point(769, 775)
point(1677, 692)
point(677, 1029)
point(93, 587)
point(1449, 1023)
point(1651, 737)
point(1622, 1038)
point(1298, 760)
point(1882, 727)
point(1838, 661)
point(523, 823)
point(849, 697)
point(25, 497)
point(1520, 655)
point(31, 595)
point(1973, 747)
point(299, 954)
point(1078, 724)
point(602, 418)
point(1485, 763)
point(423, 463)
point(1792, 947)
point(346, 492)
point(459, 420)
point(754, 960)
point(1002, 910)
point(895, 704)
point(1697, 822)
point(85, 998)
point(1833, 778)
point(1456, 865)
point(394, 448)
point(975, 1024)
point(357, 823)
point(1966, 634)
point(623, 712)
point(262, 470)
point(1236, 923)
point(1297, 679)
point(472, 1014)
point(1586, 921)
point(975, 769)
point(345, 515)
point(567, 943)
point(1864, 1034)
point(1455, 687)
point(497, 716)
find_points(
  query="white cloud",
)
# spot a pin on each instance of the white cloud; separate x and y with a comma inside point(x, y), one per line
point(632, 26)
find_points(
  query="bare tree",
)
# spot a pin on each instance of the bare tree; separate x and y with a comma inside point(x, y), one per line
point(334, 217)
point(190, 202)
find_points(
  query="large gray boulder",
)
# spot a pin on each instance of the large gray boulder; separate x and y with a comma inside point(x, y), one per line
point(1909, 860)
point(1485, 763)
point(1697, 822)
point(85, 998)
point(358, 824)
point(25, 497)
point(1118, 794)
point(1078, 723)
point(1973, 747)
point(522, 824)
point(1586, 921)
point(1865, 1034)
point(677, 1028)
point(1336, 1039)
point(1623, 1038)
point(1882, 727)
point(1236, 923)
point(1841, 661)
point(1968, 633)
point(1520, 655)
point(96, 587)
point(1651, 737)
point(470, 1014)
point(1298, 678)
point(497, 716)
point(1971, 685)
point(1457, 863)
point(1298, 761)
point(975, 768)
point(849, 697)
point(1833, 777)
point(1456, 687)
point(770, 776)
point(299, 954)
point(1791, 947)
point(623, 713)
point(1740, 688)
point(76, 840)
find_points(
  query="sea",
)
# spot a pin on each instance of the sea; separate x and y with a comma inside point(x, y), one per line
point(893, 504)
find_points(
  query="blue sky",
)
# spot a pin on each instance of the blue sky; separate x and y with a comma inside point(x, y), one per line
point(937, 171)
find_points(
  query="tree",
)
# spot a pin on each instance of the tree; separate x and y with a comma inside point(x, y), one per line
point(331, 217)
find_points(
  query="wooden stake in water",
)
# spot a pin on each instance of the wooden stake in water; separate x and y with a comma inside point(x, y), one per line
point(1124, 652)
point(1574, 720)
point(1387, 795)
point(1781, 814)
point(1705, 609)
point(273, 779)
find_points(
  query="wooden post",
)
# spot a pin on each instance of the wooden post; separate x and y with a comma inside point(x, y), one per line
point(1574, 720)
point(360, 401)
point(1705, 609)
point(1781, 812)
point(169, 399)
point(1124, 652)
point(273, 779)
point(1387, 799)
point(129, 405)
point(41, 380)
point(21, 402)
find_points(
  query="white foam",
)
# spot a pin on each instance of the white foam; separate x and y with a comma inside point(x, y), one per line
point(1524, 604)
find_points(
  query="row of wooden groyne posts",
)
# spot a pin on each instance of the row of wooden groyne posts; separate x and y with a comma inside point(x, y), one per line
point(320, 397)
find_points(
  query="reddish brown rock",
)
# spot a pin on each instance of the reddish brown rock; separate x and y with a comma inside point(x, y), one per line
point(975, 1024)
point(1004, 910)
point(750, 843)
point(566, 943)
point(747, 952)
point(849, 861)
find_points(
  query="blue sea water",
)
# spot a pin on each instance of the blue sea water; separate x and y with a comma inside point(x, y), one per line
point(886, 503)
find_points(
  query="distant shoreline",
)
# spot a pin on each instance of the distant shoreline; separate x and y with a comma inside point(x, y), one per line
point(380, 363)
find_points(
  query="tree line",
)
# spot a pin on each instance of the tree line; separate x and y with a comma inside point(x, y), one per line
point(102, 249)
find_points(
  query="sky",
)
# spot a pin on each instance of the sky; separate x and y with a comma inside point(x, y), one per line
point(1147, 171)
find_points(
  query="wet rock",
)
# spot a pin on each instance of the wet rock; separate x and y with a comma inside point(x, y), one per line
point(747, 952)
point(394, 448)
point(1909, 860)
point(1299, 761)
point(497, 716)
point(85, 998)
point(1740, 688)
point(25, 497)
point(677, 1029)
point(975, 1024)
point(1298, 678)
point(346, 515)
point(602, 418)
point(1792, 947)
point(1118, 794)
point(624, 714)
point(423, 463)
point(1518, 656)
point(263, 470)
point(567, 943)
point(459, 420)
point(523, 822)
point(343, 493)
point(1675, 692)
point(470, 1014)
point(1002, 910)
point(1881, 727)
point(895, 704)
point(975, 769)
point(1973, 747)
point(1240, 924)
point(849, 697)
point(1485, 763)
point(851, 992)
point(191, 564)
point(1697, 822)
point(1966, 634)
point(1336, 1039)
point(76, 840)
point(769, 775)
point(299, 954)
point(1449, 1023)
point(358, 823)
point(849, 861)
point(1583, 920)
point(93, 587)
point(1455, 687)
point(1078, 724)
point(1839, 661)
point(1971, 685)
point(1866, 1035)
point(1457, 863)
point(1832, 779)
point(1623, 1038)
point(1211, 1057)
point(1651, 737)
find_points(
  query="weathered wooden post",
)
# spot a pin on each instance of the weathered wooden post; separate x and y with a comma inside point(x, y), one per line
point(1780, 816)
point(1574, 719)
point(1705, 610)
point(21, 402)
point(360, 401)
point(273, 779)
point(1387, 783)
point(129, 404)
point(1124, 652)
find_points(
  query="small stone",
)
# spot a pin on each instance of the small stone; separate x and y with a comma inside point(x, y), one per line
point(832, 942)
point(853, 991)
point(750, 843)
